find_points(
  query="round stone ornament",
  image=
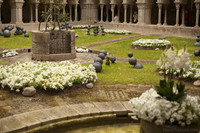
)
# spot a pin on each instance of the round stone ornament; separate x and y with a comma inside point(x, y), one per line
point(197, 52)
point(138, 66)
point(6, 33)
point(102, 56)
point(26, 35)
point(98, 60)
point(130, 54)
point(113, 59)
point(97, 66)
point(133, 61)
point(104, 52)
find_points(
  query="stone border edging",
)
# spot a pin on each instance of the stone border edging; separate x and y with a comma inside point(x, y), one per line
point(35, 119)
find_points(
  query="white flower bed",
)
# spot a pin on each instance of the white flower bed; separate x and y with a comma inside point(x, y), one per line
point(151, 43)
point(81, 50)
point(112, 31)
point(193, 73)
point(45, 75)
point(153, 108)
point(9, 53)
point(79, 26)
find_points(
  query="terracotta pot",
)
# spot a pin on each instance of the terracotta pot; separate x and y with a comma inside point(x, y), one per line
point(149, 127)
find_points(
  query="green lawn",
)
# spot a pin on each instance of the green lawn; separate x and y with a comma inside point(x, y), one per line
point(84, 39)
point(123, 73)
point(14, 42)
point(121, 49)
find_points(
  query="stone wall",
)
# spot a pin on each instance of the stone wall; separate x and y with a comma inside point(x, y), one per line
point(53, 47)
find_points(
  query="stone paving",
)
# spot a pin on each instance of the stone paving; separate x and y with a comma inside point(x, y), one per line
point(34, 119)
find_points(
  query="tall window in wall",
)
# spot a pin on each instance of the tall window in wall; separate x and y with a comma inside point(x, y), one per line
point(26, 11)
point(6, 12)
point(40, 9)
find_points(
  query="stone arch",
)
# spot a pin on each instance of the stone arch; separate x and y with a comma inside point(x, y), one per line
point(26, 11)
point(171, 13)
point(154, 13)
point(6, 12)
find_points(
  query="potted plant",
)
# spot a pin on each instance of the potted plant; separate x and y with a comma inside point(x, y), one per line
point(168, 108)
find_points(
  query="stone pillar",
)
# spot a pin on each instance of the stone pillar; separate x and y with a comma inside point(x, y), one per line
point(165, 21)
point(144, 12)
point(76, 12)
point(197, 15)
point(125, 13)
point(0, 10)
point(16, 11)
point(119, 10)
point(64, 9)
point(159, 13)
point(131, 13)
point(113, 12)
point(36, 12)
point(107, 9)
point(183, 16)
point(177, 14)
point(70, 12)
point(31, 12)
point(101, 12)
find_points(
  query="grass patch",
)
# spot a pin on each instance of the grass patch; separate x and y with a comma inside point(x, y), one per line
point(84, 39)
point(121, 49)
point(123, 73)
point(14, 42)
point(2, 63)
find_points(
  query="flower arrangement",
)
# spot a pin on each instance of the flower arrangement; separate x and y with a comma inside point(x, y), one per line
point(9, 53)
point(82, 50)
point(79, 26)
point(168, 104)
point(112, 31)
point(151, 43)
point(45, 75)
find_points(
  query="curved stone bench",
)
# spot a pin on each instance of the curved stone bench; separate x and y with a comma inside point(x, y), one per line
point(35, 119)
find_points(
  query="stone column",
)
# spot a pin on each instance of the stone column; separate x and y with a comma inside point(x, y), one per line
point(31, 12)
point(16, 11)
point(70, 12)
point(76, 13)
point(131, 13)
point(165, 21)
point(177, 14)
point(197, 15)
point(159, 13)
point(119, 10)
point(0, 10)
point(36, 12)
point(64, 9)
point(113, 12)
point(101, 12)
point(183, 16)
point(107, 9)
point(125, 13)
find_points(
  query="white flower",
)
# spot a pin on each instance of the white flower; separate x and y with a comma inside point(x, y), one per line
point(151, 42)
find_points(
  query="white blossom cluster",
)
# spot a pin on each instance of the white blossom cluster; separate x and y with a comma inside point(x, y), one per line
point(45, 75)
point(79, 26)
point(81, 50)
point(153, 108)
point(9, 53)
point(193, 73)
point(151, 42)
point(112, 31)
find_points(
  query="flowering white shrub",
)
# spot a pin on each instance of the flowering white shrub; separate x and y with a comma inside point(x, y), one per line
point(45, 75)
point(153, 108)
point(151, 43)
point(112, 31)
point(193, 73)
point(9, 53)
point(81, 50)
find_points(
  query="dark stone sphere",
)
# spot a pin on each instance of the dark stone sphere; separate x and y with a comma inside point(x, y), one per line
point(1, 33)
point(138, 66)
point(97, 66)
point(10, 28)
point(198, 39)
point(18, 28)
point(6, 27)
point(98, 60)
point(6, 33)
point(197, 52)
point(19, 32)
point(104, 52)
point(113, 59)
point(133, 61)
point(24, 31)
point(197, 44)
point(26, 35)
point(130, 54)
point(102, 56)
